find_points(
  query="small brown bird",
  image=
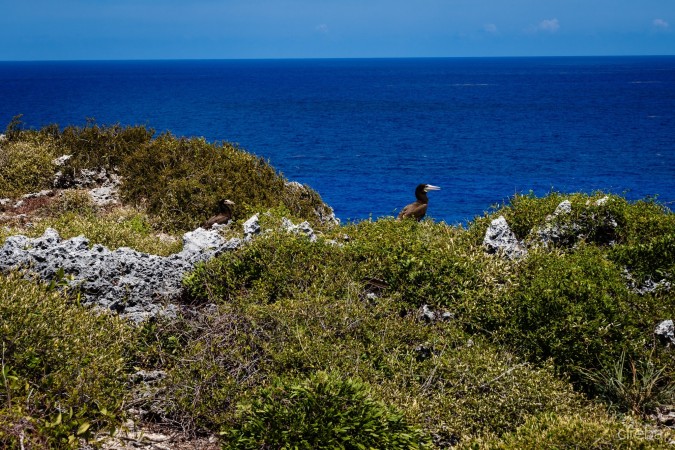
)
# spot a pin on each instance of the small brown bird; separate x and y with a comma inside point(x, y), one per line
point(418, 209)
point(224, 214)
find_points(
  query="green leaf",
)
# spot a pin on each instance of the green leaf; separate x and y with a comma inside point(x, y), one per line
point(83, 428)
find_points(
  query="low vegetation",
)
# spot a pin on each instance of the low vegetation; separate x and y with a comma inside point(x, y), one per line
point(381, 334)
point(63, 367)
point(324, 411)
point(179, 181)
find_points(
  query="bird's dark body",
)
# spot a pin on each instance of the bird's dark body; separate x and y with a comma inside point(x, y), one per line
point(224, 214)
point(418, 209)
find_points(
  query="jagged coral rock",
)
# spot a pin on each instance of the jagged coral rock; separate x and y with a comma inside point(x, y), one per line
point(132, 283)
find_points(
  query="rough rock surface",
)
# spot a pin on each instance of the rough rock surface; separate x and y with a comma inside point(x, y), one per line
point(561, 232)
point(132, 283)
point(665, 331)
point(565, 207)
point(648, 286)
point(428, 315)
point(252, 227)
point(500, 238)
point(103, 185)
point(107, 194)
point(553, 232)
point(303, 228)
point(132, 436)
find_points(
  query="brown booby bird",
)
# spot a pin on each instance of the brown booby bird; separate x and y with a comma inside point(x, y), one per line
point(418, 209)
point(224, 214)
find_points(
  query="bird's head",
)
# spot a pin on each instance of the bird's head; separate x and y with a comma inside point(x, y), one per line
point(424, 188)
point(225, 204)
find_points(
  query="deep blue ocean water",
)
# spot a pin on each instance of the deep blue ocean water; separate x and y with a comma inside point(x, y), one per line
point(365, 132)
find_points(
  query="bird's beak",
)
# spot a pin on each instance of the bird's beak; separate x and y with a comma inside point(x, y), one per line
point(431, 187)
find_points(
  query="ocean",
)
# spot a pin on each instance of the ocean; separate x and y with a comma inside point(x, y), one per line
point(365, 132)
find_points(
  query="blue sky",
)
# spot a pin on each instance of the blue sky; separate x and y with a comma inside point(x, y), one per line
point(173, 29)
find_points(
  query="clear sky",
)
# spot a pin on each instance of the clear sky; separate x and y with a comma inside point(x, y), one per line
point(204, 29)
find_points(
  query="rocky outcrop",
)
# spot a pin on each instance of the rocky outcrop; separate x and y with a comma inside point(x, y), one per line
point(134, 284)
point(555, 231)
point(594, 224)
point(560, 229)
point(304, 228)
point(647, 286)
point(252, 227)
point(103, 185)
point(428, 315)
point(500, 239)
point(665, 332)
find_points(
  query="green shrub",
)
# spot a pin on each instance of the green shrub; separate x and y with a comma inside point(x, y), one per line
point(62, 365)
point(574, 308)
point(422, 263)
point(598, 218)
point(324, 411)
point(649, 254)
point(452, 384)
point(525, 212)
point(122, 227)
point(94, 147)
point(181, 181)
point(213, 359)
point(590, 220)
point(25, 167)
point(636, 386)
point(18, 431)
point(73, 201)
point(594, 431)
point(126, 227)
point(274, 266)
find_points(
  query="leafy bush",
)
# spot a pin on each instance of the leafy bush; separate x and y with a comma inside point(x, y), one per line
point(182, 180)
point(62, 365)
point(17, 430)
point(595, 431)
point(94, 147)
point(212, 359)
point(125, 227)
point(306, 308)
point(524, 212)
point(324, 411)
point(422, 263)
point(572, 301)
point(25, 167)
point(274, 266)
point(574, 308)
point(73, 201)
point(122, 227)
point(649, 249)
point(179, 180)
point(598, 218)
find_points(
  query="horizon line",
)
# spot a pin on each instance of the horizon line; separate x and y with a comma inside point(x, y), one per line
point(338, 58)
